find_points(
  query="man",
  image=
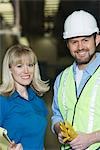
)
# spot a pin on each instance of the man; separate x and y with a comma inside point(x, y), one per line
point(77, 88)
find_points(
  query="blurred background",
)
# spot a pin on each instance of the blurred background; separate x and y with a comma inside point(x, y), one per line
point(39, 24)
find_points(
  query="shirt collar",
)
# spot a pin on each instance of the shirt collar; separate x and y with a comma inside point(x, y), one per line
point(31, 94)
point(90, 69)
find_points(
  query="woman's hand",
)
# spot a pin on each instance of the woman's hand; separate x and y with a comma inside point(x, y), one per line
point(14, 146)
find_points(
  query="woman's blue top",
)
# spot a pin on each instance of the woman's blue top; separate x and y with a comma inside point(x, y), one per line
point(25, 120)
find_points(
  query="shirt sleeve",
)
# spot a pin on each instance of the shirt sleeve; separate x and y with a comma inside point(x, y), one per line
point(57, 117)
point(3, 108)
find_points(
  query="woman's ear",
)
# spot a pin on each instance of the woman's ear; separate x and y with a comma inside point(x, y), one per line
point(10, 70)
point(97, 39)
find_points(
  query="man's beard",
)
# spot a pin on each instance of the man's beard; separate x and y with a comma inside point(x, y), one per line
point(85, 61)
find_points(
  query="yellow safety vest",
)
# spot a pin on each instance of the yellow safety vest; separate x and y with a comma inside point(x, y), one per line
point(84, 111)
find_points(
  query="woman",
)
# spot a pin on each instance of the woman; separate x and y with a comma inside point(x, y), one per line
point(23, 111)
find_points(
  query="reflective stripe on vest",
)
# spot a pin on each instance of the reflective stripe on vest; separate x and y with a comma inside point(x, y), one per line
point(87, 111)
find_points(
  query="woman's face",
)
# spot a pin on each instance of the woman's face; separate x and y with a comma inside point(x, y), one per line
point(22, 72)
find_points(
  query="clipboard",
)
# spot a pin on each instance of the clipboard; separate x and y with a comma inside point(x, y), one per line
point(4, 139)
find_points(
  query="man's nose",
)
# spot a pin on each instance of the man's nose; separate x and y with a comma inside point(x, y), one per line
point(80, 45)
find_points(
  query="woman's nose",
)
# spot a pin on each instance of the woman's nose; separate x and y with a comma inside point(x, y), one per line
point(25, 69)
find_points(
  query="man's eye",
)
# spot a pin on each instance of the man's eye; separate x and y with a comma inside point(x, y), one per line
point(86, 40)
point(74, 42)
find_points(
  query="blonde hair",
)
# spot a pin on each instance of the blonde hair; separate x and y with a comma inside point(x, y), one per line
point(13, 56)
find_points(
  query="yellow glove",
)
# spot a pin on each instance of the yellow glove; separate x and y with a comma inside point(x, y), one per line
point(68, 131)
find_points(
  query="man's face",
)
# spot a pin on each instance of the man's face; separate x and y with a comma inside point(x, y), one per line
point(82, 49)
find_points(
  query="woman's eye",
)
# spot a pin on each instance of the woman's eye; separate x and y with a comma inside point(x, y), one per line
point(19, 65)
point(30, 65)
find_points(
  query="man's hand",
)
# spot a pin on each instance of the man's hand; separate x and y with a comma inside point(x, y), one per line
point(60, 138)
point(57, 130)
point(82, 141)
point(67, 131)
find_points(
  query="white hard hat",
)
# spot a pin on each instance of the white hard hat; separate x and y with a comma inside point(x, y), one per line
point(80, 23)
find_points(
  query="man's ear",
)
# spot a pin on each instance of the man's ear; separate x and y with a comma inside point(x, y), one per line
point(67, 44)
point(97, 39)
